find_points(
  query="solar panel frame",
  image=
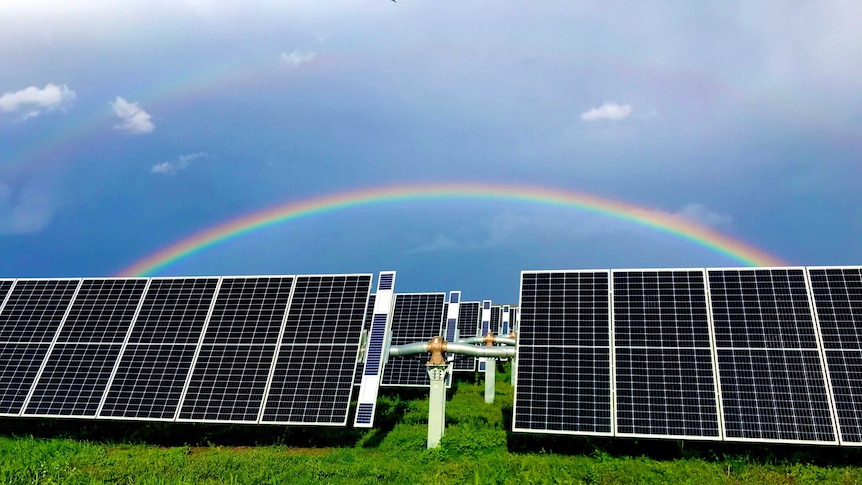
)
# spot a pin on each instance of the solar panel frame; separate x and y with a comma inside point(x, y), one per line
point(253, 390)
point(78, 340)
point(407, 371)
point(810, 344)
point(667, 348)
point(843, 359)
point(348, 345)
point(148, 345)
point(583, 354)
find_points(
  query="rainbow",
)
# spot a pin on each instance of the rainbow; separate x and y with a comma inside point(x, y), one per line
point(652, 218)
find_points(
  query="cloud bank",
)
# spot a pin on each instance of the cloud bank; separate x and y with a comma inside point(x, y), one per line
point(297, 57)
point(608, 111)
point(23, 211)
point(133, 119)
point(702, 215)
point(34, 101)
point(181, 163)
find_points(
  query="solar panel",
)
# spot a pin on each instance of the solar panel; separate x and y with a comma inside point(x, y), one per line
point(468, 326)
point(496, 319)
point(771, 375)
point(564, 374)
point(665, 377)
point(485, 327)
point(504, 322)
point(313, 375)
point(366, 402)
point(156, 360)
point(416, 317)
point(452, 317)
point(231, 368)
point(837, 293)
point(79, 365)
point(29, 318)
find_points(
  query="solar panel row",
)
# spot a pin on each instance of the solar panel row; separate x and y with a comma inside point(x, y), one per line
point(275, 349)
point(768, 355)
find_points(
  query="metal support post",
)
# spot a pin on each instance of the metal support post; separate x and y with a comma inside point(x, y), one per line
point(490, 376)
point(436, 403)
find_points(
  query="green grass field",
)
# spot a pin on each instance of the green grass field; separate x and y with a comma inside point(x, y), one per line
point(477, 448)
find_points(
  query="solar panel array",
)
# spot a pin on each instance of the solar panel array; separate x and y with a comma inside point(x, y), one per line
point(416, 317)
point(750, 354)
point(744, 354)
point(275, 349)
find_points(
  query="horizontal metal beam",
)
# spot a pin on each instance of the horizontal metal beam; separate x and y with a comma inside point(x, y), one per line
point(453, 348)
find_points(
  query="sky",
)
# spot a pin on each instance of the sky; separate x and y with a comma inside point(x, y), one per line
point(127, 126)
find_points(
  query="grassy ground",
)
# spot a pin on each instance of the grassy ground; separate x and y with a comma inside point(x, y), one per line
point(475, 449)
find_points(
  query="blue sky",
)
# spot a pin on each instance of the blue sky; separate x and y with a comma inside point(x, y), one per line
point(127, 125)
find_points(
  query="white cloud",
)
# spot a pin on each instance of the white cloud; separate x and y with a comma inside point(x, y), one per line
point(182, 162)
point(608, 111)
point(26, 210)
point(33, 101)
point(297, 57)
point(702, 215)
point(133, 119)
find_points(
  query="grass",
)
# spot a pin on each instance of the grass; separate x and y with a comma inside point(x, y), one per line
point(476, 448)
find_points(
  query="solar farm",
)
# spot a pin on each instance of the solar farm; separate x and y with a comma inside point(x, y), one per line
point(757, 355)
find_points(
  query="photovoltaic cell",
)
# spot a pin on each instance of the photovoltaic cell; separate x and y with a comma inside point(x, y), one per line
point(174, 311)
point(81, 362)
point(774, 394)
point(417, 317)
point(149, 381)
point(74, 380)
point(665, 380)
point(228, 383)
point(468, 326)
point(229, 378)
point(102, 311)
point(155, 363)
point(19, 364)
point(837, 296)
point(771, 377)
point(761, 308)
point(567, 391)
point(311, 384)
point(563, 371)
point(316, 363)
point(5, 286)
point(34, 310)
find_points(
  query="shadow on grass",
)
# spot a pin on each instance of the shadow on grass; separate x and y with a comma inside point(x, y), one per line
point(666, 450)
